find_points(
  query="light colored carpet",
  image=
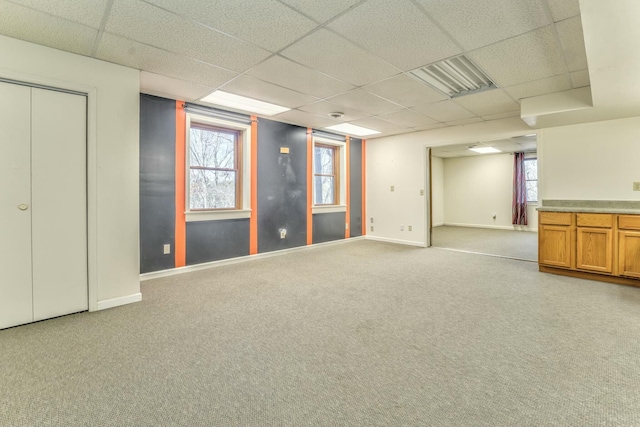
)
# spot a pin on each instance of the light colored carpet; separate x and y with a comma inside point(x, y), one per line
point(508, 243)
point(359, 334)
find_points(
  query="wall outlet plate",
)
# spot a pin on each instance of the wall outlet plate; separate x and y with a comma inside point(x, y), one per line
point(636, 186)
point(166, 249)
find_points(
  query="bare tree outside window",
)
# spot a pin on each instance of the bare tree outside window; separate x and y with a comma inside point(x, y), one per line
point(325, 176)
point(213, 168)
point(531, 176)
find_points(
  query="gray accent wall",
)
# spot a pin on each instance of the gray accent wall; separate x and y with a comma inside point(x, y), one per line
point(215, 240)
point(157, 182)
point(328, 227)
point(282, 185)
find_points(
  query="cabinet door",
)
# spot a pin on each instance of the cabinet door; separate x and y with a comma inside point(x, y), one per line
point(594, 249)
point(629, 253)
point(15, 205)
point(554, 246)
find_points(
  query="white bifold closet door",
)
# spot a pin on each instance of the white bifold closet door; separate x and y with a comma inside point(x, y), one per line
point(43, 204)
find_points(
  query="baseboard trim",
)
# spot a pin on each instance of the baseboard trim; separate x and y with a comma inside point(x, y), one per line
point(115, 302)
point(494, 227)
point(237, 260)
point(397, 241)
point(437, 224)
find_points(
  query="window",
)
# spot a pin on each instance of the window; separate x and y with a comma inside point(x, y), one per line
point(329, 166)
point(531, 176)
point(218, 169)
point(326, 188)
point(214, 168)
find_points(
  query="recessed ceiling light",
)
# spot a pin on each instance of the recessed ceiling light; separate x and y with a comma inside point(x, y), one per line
point(485, 150)
point(352, 129)
point(243, 103)
point(454, 77)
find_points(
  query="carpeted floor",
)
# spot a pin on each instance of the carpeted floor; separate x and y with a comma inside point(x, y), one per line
point(358, 334)
point(508, 243)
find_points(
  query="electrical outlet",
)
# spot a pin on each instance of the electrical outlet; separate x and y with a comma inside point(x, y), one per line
point(393, 188)
point(410, 228)
point(371, 220)
point(372, 228)
point(636, 186)
point(283, 233)
point(401, 227)
point(346, 226)
point(422, 192)
point(166, 249)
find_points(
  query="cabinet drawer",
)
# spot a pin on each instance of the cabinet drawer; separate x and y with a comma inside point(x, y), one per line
point(629, 222)
point(594, 220)
point(555, 218)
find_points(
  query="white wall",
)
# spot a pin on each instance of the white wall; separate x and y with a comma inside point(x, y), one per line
point(113, 165)
point(476, 188)
point(437, 191)
point(593, 161)
point(400, 161)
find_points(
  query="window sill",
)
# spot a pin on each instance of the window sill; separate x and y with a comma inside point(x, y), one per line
point(329, 209)
point(217, 215)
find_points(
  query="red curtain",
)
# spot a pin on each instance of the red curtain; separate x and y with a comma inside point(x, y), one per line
point(519, 202)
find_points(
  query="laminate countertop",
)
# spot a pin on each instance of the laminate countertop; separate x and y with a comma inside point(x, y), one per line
point(629, 207)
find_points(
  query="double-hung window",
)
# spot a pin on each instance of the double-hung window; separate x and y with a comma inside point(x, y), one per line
point(531, 176)
point(329, 169)
point(218, 167)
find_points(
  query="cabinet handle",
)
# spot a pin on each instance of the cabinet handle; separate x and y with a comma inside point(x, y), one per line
point(23, 207)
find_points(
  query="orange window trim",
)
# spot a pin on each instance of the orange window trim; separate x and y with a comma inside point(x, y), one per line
point(309, 187)
point(253, 220)
point(347, 214)
point(364, 187)
point(180, 250)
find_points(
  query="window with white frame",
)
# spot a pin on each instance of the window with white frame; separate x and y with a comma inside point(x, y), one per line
point(531, 176)
point(218, 169)
point(329, 167)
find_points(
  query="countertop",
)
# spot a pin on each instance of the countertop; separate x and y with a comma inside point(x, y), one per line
point(630, 207)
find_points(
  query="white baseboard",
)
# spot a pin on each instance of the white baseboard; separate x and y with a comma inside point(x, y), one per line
point(398, 241)
point(495, 227)
point(115, 302)
point(438, 224)
point(229, 261)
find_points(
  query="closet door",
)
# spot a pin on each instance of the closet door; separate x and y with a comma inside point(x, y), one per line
point(59, 194)
point(15, 206)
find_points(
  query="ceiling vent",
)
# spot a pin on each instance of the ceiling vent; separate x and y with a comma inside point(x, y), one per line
point(454, 77)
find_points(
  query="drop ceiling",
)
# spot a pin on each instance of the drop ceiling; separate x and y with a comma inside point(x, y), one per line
point(525, 143)
point(318, 57)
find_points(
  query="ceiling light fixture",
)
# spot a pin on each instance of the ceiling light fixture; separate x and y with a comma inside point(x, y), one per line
point(337, 114)
point(454, 77)
point(350, 129)
point(485, 150)
point(243, 103)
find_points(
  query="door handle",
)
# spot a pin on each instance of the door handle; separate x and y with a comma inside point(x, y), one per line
point(23, 207)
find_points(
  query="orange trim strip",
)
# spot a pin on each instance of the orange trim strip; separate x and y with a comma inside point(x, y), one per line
point(347, 214)
point(364, 187)
point(181, 224)
point(253, 221)
point(309, 187)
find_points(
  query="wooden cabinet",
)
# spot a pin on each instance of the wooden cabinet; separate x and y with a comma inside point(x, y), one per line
point(555, 241)
point(629, 245)
point(594, 243)
point(598, 246)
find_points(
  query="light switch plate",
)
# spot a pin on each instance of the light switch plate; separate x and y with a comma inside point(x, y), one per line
point(636, 186)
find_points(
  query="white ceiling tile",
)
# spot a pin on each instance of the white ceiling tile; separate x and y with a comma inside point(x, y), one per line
point(263, 91)
point(488, 102)
point(444, 111)
point(464, 121)
point(580, 78)
point(267, 23)
point(304, 119)
point(563, 9)
point(431, 127)
point(321, 10)
point(143, 57)
point(531, 56)
point(408, 118)
point(481, 22)
point(87, 12)
point(378, 124)
point(168, 87)
point(499, 116)
point(337, 57)
point(539, 87)
point(37, 27)
point(167, 31)
point(405, 91)
point(572, 41)
point(323, 108)
point(397, 31)
point(284, 72)
point(365, 101)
